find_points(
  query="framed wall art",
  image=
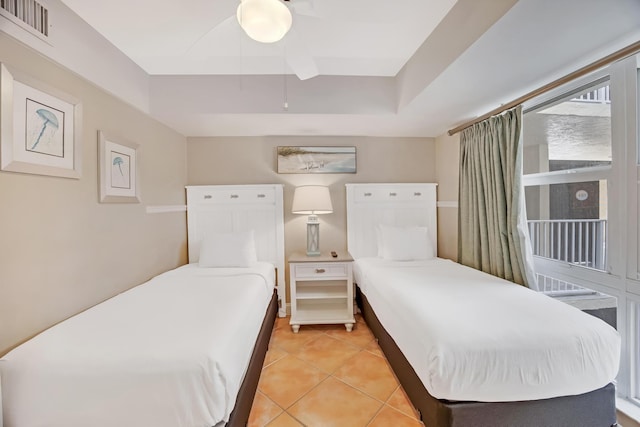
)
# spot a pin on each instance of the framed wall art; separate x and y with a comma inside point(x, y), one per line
point(316, 159)
point(40, 127)
point(118, 170)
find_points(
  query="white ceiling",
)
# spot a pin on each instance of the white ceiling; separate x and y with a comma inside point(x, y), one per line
point(344, 37)
point(386, 67)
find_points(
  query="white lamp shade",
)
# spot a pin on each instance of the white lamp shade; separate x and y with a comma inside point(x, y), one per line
point(311, 200)
point(265, 21)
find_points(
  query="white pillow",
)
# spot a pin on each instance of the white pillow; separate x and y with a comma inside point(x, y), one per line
point(404, 243)
point(228, 250)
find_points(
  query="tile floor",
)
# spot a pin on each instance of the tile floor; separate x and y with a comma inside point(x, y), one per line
point(324, 376)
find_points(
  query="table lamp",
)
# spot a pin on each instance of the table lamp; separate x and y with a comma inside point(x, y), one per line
point(312, 200)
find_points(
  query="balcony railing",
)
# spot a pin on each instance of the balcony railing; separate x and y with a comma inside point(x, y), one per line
point(560, 288)
point(601, 95)
point(575, 241)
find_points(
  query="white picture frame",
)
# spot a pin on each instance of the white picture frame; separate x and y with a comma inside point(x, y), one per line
point(118, 170)
point(40, 127)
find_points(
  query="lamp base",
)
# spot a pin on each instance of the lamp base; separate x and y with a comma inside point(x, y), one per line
point(313, 236)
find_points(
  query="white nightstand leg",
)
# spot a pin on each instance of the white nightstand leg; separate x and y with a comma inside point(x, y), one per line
point(295, 328)
point(349, 326)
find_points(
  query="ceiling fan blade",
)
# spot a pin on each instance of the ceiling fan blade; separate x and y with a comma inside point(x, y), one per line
point(218, 33)
point(303, 66)
point(298, 58)
point(305, 7)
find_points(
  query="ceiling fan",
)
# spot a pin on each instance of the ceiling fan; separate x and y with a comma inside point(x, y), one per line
point(288, 15)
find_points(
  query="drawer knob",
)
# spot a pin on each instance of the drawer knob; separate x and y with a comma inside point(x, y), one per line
point(234, 196)
point(367, 194)
point(417, 194)
point(261, 196)
point(208, 196)
point(320, 270)
point(393, 194)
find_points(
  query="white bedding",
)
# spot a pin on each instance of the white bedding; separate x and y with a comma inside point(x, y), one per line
point(171, 352)
point(473, 337)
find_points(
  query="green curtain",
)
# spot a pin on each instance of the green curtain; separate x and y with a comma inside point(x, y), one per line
point(492, 234)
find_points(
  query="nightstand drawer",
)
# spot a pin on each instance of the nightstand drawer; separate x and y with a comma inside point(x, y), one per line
point(321, 270)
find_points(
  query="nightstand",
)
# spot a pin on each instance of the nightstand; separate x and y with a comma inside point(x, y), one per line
point(321, 290)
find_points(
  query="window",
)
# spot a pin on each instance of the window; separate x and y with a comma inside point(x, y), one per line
point(567, 161)
point(568, 222)
point(581, 162)
point(570, 132)
point(633, 245)
point(633, 178)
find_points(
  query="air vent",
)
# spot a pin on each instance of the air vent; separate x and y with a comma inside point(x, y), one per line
point(28, 12)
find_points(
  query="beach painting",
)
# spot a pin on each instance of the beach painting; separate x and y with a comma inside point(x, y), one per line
point(316, 159)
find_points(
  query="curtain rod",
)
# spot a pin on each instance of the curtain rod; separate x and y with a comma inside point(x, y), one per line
point(616, 56)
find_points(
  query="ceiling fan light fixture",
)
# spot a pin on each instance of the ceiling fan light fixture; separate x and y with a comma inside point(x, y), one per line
point(265, 21)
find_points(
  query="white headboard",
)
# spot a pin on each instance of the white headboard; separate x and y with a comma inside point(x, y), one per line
point(390, 204)
point(232, 208)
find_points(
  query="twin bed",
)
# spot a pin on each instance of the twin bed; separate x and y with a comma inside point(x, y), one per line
point(472, 350)
point(186, 348)
point(183, 349)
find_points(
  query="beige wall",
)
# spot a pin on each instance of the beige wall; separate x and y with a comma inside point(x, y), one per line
point(60, 250)
point(253, 160)
point(447, 166)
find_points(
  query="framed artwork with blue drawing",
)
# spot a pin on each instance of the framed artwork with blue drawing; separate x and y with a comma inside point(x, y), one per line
point(118, 169)
point(40, 127)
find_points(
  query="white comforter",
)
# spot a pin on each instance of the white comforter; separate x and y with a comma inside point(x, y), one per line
point(171, 352)
point(471, 336)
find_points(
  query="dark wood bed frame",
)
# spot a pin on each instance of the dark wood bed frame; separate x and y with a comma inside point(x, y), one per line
point(593, 409)
point(240, 414)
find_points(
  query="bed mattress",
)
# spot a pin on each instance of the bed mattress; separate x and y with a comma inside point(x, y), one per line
point(473, 337)
point(170, 352)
